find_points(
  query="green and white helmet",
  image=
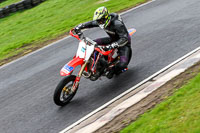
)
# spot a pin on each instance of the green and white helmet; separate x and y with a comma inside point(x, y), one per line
point(101, 15)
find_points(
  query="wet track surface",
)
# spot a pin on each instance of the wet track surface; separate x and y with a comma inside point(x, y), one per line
point(166, 30)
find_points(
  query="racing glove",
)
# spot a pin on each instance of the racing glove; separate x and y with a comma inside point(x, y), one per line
point(78, 28)
point(111, 46)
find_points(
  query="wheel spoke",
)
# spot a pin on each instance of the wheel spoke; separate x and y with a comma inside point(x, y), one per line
point(63, 93)
point(66, 92)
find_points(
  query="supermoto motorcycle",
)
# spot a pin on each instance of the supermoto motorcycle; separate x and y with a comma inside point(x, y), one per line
point(88, 56)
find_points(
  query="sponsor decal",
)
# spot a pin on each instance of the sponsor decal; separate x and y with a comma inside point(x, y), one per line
point(83, 49)
point(68, 68)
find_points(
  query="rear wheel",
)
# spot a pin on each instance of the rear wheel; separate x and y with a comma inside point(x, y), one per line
point(63, 93)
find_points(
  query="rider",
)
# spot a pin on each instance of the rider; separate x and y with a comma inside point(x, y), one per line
point(118, 36)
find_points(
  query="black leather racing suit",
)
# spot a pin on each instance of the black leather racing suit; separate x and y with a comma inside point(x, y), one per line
point(117, 33)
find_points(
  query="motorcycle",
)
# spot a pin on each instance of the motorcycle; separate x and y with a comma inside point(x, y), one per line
point(88, 56)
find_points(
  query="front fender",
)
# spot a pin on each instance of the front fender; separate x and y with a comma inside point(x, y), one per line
point(70, 66)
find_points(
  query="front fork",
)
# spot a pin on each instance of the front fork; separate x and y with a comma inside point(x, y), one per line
point(76, 82)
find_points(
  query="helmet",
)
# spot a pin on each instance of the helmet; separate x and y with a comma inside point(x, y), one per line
point(101, 15)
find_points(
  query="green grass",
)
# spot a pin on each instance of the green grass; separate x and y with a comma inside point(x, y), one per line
point(49, 20)
point(8, 2)
point(178, 114)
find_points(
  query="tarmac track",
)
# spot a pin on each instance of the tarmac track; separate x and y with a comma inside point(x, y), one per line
point(166, 30)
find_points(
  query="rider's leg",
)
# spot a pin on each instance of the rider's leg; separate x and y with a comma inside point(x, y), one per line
point(125, 54)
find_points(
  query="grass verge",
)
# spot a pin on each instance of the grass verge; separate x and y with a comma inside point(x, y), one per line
point(29, 29)
point(8, 2)
point(179, 113)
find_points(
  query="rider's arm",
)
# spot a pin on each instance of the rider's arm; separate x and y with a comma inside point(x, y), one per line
point(89, 24)
point(122, 32)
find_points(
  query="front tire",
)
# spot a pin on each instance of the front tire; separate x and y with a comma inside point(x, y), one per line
point(63, 93)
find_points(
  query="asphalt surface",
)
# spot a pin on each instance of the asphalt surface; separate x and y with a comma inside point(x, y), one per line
point(166, 30)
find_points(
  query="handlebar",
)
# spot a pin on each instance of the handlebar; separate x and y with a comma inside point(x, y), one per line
point(79, 36)
point(74, 34)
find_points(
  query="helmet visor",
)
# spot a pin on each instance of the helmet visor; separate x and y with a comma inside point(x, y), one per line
point(101, 21)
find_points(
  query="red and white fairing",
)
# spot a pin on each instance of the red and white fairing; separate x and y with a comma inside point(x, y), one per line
point(84, 53)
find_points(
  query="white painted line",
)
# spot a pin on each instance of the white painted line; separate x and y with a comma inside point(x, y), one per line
point(129, 90)
point(129, 102)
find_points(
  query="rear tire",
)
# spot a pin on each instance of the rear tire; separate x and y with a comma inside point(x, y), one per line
point(63, 94)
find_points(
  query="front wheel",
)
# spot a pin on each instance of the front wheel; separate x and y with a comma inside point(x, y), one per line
point(63, 93)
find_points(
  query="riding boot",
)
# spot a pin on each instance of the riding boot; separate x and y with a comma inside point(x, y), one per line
point(95, 76)
point(98, 73)
point(110, 73)
point(115, 71)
